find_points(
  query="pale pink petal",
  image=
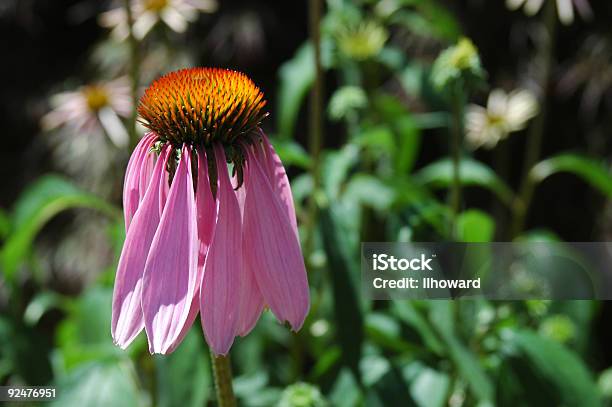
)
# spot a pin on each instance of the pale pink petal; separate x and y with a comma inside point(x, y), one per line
point(194, 308)
point(127, 318)
point(206, 208)
point(251, 301)
point(146, 169)
point(272, 249)
point(164, 189)
point(219, 291)
point(170, 275)
point(207, 218)
point(280, 182)
point(133, 186)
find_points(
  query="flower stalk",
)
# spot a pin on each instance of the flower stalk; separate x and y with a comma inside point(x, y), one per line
point(316, 117)
point(534, 145)
point(457, 103)
point(222, 372)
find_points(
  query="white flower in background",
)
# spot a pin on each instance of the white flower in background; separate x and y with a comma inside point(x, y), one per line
point(505, 113)
point(565, 8)
point(93, 108)
point(176, 14)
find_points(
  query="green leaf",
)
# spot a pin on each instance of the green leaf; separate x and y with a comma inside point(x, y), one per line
point(408, 144)
point(345, 391)
point(100, 384)
point(346, 101)
point(590, 170)
point(296, 77)
point(336, 168)
point(5, 224)
point(386, 332)
point(442, 314)
point(472, 173)
point(292, 153)
point(183, 377)
point(370, 191)
point(376, 138)
point(409, 314)
point(344, 278)
point(39, 305)
point(558, 366)
point(430, 19)
point(475, 226)
point(40, 202)
point(252, 390)
point(428, 387)
point(85, 334)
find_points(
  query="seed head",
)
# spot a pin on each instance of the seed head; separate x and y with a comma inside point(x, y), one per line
point(202, 105)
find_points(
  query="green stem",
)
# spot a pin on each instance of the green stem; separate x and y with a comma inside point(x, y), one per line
point(222, 372)
point(536, 134)
point(315, 118)
point(456, 143)
point(133, 72)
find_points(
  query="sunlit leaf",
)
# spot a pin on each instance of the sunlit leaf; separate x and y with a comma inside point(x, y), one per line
point(428, 387)
point(370, 191)
point(472, 173)
point(40, 202)
point(593, 172)
point(100, 384)
point(184, 376)
point(292, 153)
point(475, 226)
point(296, 78)
point(336, 168)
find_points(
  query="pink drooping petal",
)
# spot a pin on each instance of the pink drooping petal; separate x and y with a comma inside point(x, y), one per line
point(206, 207)
point(170, 275)
point(146, 170)
point(164, 189)
point(219, 292)
point(134, 187)
point(279, 181)
point(272, 249)
point(194, 308)
point(127, 319)
point(251, 301)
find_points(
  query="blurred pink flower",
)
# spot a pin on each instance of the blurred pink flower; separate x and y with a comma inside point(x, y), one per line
point(93, 108)
point(176, 14)
point(198, 239)
point(565, 8)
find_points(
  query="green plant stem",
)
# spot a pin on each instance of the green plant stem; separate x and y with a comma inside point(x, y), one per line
point(315, 119)
point(133, 72)
point(456, 143)
point(533, 146)
point(222, 371)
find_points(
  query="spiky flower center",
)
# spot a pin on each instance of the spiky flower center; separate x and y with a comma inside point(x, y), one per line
point(96, 97)
point(200, 106)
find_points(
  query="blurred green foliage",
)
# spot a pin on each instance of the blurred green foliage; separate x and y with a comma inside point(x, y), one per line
point(377, 184)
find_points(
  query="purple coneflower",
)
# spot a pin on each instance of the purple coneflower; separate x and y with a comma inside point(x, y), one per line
point(197, 238)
